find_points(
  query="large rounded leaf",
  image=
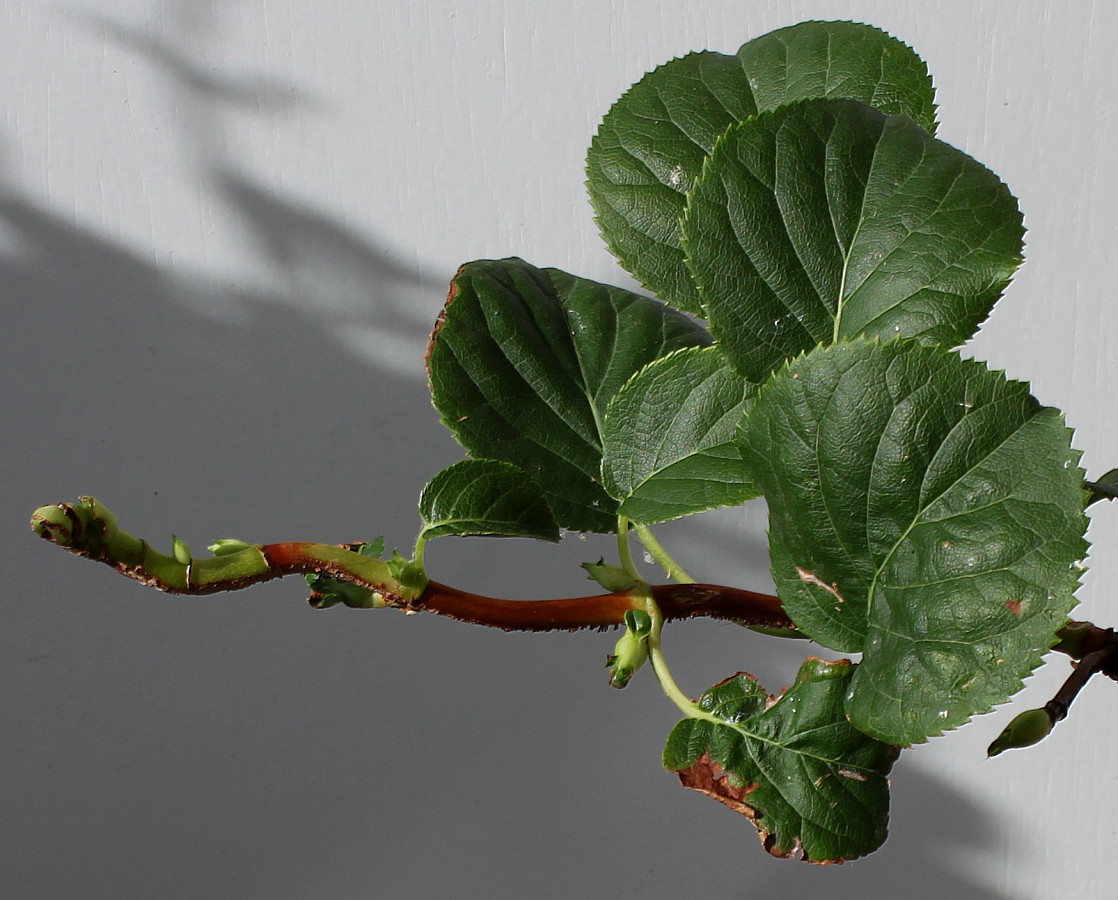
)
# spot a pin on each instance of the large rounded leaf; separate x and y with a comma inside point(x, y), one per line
point(827, 220)
point(652, 144)
point(923, 510)
point(524, 362)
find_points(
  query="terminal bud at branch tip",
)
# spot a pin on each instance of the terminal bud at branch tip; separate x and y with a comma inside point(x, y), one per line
point(1030, 727)
point(54, 524)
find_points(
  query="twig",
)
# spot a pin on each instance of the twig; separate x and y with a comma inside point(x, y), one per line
point(88, 529)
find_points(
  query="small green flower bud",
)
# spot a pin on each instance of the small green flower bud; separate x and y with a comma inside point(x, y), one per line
point(629, 654)
point(612, 578)
point(227, 547)
point(180, 551)
point(1029, 728)
point(409, 574)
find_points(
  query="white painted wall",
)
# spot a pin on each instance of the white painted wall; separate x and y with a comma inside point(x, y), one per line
point(225, 228)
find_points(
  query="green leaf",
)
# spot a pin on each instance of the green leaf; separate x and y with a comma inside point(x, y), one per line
point(485, 497)
point(649, 148)
point(810, 782)
point(925, 511)
point(827, 220)
point(839, 61)
point(653, 142)
point(670, 438)
point(523, 363)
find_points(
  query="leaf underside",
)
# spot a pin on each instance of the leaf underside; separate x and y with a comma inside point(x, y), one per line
point(925, 511)
point(827, 220)
point(812, 784)
point(485, 497)
point(652, 144)
point(524, 362)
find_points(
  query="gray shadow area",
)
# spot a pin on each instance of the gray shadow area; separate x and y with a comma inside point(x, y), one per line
point(248, 746)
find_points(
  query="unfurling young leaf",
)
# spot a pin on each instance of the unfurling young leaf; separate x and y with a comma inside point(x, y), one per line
point(812, 784)
point(485, 497)
point(327, 591)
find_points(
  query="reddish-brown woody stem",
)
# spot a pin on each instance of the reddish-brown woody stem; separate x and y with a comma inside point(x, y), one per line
point(88, 529)
point(676, 601)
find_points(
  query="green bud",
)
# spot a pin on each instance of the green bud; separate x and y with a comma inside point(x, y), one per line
point(105, 520)
point(1029, 728)
point(227, 547)
point(1071, 638)
point(612, 578)
point(180, 551)
point(54, 524)
point(628, 655)
point(410, 575)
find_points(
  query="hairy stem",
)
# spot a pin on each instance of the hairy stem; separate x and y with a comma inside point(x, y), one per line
point(668, 684)
point(674, 570)
point(88, 529)
point(625, 550)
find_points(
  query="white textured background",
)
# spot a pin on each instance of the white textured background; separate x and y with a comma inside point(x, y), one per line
point(225, 228)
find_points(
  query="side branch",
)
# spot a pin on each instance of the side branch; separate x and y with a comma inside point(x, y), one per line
point(88, 529)
point(1095, 650)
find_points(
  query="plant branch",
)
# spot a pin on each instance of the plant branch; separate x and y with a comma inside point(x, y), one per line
point(1095, 650)
point(1106, 488)
point(87, 529)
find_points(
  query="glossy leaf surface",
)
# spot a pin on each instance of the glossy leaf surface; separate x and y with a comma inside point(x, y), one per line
point(649, 148)
point(485, 497)
point(670, 436)
point(839, 61)
point(827, 220)
point(812, 784)
point(653, 142)
point(524, 362)
point(925, 511)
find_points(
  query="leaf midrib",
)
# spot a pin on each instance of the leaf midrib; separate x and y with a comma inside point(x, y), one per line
point(775, 783)
point(840, 302)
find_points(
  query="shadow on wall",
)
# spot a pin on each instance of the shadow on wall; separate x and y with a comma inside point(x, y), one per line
point(257, 748)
